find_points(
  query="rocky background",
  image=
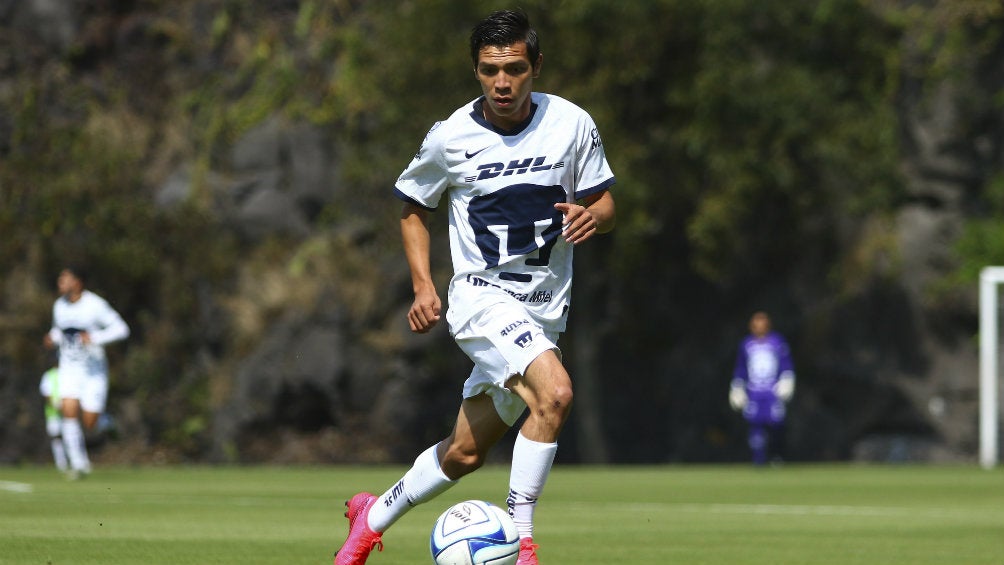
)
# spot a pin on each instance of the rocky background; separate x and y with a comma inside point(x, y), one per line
point(225, 169)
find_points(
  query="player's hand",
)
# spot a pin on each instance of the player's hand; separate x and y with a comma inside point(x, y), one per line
point(424, 312)
point(578, 224)
point(737, 398)
point(85, 338)
point(785, 388)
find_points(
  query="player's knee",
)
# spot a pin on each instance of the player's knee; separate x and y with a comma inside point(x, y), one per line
point(562, 401)
point(555, 406)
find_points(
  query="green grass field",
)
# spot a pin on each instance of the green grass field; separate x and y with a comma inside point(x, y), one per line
point(840, 515)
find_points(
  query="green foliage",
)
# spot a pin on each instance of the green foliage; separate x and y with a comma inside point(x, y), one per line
point(791, 128)
point(958, 44)
point(982, 241)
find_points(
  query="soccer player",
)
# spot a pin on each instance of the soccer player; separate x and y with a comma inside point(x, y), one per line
point(82, 324)
point(49, 389)
point(763, 381)
point(525, 179)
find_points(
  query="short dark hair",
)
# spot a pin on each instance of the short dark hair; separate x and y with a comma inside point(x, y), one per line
point(78, 270)
point(502, 29)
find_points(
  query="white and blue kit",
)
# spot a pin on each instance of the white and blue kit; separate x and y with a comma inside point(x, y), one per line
point(83, 368)
point(512, 269)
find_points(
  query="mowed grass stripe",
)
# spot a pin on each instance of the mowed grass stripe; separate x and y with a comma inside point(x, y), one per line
point(839, 514)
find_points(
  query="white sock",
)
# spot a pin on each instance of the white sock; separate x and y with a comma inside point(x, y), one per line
point(423, 482)
point(54, 428)
point(76, 449)
point(531, 464)
point(59, 453)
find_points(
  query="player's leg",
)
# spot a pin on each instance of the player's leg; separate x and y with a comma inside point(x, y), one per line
point(546, 388)
point(73, 437)
point(776, 442)
point(93, 396)
point(760, 413)
point(521, 362)
point(477, 429)
point(53, 428)
point(776, 431)
point(435, 470)
point(758, 440)
point(89, 406)
point(88, 419)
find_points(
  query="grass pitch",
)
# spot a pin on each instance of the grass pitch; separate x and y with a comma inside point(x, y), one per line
point(805, 515)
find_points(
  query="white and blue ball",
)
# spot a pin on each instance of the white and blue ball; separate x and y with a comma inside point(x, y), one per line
point(474, 532)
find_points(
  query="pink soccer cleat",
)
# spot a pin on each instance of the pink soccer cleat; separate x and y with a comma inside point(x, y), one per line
point(527, 552)
point(362, 539)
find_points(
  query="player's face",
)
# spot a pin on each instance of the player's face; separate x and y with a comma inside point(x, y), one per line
point(759, 325)
point(67, 283)
point(506, 75)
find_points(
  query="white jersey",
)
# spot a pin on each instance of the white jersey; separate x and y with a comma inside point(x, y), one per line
point(502, 187)
point(91, 314)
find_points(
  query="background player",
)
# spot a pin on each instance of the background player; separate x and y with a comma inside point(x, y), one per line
point(82, 324)
point(763, 381)
point(48, 387)
point(511, 164)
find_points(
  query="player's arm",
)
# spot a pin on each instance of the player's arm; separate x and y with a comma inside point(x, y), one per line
point(784, 388)
point(424, 312)
point(737, 389)
point(596, 214)
point(111, 327)
point(54, 337)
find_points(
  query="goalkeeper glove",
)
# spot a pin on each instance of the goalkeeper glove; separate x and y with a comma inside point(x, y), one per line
point(737, 398)
point(784, 388)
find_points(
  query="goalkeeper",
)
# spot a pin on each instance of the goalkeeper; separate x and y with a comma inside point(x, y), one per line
point(763, 382)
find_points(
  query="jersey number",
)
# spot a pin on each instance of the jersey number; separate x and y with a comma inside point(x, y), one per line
point(517, 220)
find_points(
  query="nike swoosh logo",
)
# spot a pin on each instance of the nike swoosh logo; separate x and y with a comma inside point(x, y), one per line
point(470, 154)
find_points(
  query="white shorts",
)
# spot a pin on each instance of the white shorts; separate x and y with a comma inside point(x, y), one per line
point(502, 341)
point(90, 388)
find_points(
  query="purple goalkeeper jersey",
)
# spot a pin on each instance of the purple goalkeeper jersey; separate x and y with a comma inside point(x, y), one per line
point(759, 365)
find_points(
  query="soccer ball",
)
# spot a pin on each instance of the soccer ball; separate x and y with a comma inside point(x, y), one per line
point(474, 533)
